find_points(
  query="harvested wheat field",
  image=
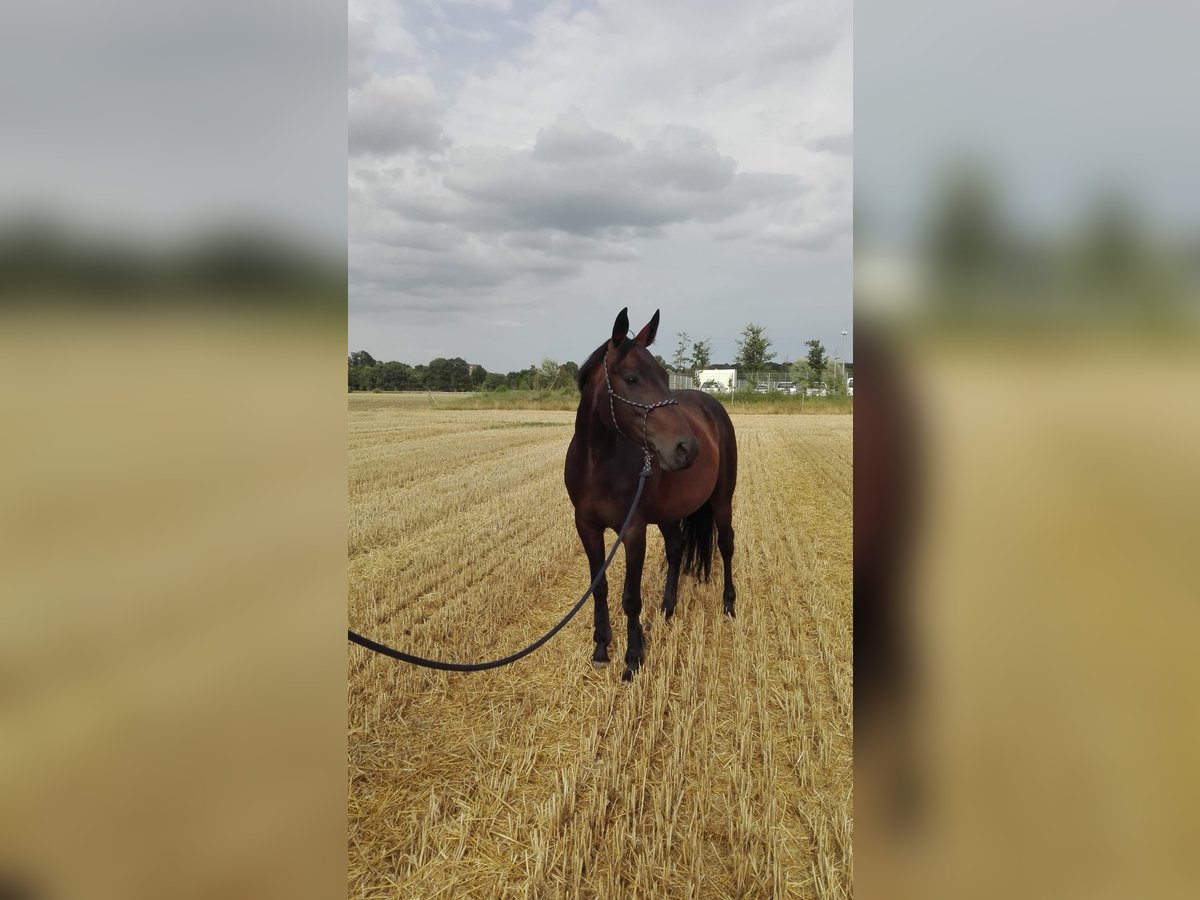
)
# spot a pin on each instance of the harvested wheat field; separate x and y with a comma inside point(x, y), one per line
point(723, 770)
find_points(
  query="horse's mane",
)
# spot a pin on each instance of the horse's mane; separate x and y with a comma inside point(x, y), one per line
point(590, 365)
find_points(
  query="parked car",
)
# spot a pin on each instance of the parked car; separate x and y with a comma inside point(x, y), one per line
point(850, 386)
point(786, 387)
point(714, 387)
point(762, 388)
point(820, 389)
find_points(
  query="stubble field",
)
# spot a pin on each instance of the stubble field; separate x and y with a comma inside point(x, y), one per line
point(724, 769)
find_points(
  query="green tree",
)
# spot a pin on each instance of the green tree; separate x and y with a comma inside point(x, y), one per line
point(448, 375)
point(362, 374)
point(753, 349)
point(570, 370)
point(701, 354)
point(835, 380)
point(681, 362)
point(816, 359)
point(362, 378)
point(801, 373)
point(393, 376)
point(548, 372)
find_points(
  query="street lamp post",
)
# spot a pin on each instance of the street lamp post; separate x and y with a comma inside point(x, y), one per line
point(844, 355)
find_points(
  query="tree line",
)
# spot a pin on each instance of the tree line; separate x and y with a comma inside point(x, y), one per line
point(368, 374)
point(754, 355)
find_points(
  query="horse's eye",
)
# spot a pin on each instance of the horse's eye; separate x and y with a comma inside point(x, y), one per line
point(631, 379)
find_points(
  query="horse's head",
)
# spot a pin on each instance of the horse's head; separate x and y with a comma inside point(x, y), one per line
point(631, 393)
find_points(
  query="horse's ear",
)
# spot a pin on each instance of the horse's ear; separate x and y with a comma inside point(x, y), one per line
point(646, 336)
point(620, 327)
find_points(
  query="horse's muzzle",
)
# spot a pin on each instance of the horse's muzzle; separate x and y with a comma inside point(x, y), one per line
point(682, 455)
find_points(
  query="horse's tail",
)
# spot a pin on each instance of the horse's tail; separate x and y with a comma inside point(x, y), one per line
point(698, 531)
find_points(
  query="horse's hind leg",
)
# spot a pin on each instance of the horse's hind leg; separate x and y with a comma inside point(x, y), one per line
point(723, 516)
point(673, 539)
point(592, 538)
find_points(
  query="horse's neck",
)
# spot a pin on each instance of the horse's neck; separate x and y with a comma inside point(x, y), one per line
point(592, 427)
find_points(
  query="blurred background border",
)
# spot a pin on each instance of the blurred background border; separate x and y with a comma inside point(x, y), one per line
point(172, 534)
point(1026, 297)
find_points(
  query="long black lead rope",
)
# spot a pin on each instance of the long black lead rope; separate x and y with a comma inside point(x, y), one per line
point(356, 638)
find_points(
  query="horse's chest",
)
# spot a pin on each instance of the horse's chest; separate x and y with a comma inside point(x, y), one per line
point(602, 491)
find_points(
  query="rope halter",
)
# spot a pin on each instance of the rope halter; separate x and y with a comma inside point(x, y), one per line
point(646, 409)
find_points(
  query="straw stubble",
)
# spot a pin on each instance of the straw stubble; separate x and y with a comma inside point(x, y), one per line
point(724, 769)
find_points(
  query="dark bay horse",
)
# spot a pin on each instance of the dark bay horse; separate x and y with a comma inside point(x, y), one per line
point(626, 412)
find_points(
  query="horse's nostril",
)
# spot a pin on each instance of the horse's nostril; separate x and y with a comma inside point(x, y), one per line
point(685, 450)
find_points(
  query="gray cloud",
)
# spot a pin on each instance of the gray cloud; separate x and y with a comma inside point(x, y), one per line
point(487, 217)
point(837, 144)
point(684, 158)
point(813, 235)
point(571, 138)
point(801, 31)
point(572, 246)
point(358, 53)
point(401, 278)
point(676, 177)
point(391, 115)
point(383, 229)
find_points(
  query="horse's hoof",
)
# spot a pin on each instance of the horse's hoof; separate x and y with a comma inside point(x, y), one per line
point(599, 664)
point(627, 675)
point(668, 612)
point(730, 613)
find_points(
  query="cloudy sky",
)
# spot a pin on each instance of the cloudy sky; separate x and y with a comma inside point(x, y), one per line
point(519, 171)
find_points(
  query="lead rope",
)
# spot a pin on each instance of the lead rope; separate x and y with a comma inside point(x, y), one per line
point(385, 650)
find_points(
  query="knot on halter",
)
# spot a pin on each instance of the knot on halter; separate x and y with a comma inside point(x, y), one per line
point(646, 409)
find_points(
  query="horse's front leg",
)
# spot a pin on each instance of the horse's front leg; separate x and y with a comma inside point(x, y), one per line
point(631, 599)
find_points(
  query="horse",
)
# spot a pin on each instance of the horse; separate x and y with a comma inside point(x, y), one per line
point(629, 418)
